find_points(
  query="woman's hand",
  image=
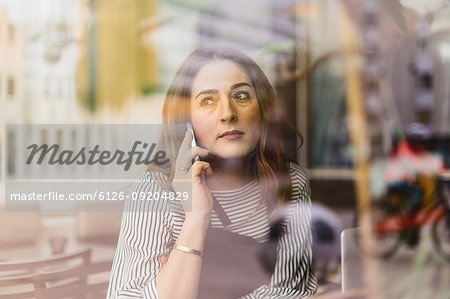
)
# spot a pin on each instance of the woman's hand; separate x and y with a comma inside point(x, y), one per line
point(191, 178)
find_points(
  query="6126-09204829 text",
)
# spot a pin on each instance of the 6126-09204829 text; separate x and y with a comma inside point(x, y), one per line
point(99, 195)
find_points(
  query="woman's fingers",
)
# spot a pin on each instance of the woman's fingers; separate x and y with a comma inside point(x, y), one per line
point(190, 177)
point(185, 159)
point(201, 167)
point(187, 153)
point(184, 147)
point(186, 143)
point(197, 151)
point(184, 177)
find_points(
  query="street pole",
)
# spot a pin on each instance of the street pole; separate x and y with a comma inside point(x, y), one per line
point(361, 145)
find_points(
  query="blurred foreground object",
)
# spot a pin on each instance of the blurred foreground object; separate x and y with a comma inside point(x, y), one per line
point(326, 228)
point(117, 62)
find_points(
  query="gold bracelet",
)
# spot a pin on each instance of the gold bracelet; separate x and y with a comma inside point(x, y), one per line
point(188, 249)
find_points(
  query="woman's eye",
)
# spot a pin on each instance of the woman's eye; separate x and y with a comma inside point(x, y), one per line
point(242, 96)
point(207, 101)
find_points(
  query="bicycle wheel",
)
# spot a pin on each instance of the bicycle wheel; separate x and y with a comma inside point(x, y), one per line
point(441, 238)
point(387, 235)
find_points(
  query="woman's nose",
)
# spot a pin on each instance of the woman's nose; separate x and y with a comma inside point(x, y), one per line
point(228, 111)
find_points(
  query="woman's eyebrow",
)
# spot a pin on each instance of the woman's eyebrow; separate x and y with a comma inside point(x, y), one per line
point(234, 86)
point(237, 85)
point(207, 91)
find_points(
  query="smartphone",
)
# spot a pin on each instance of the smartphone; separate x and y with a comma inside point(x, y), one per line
point(193, 143)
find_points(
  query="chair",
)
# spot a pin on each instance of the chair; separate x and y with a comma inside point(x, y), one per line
point(17, 287)
point(86, 281)
point(34, 266)
point(63, 276)
point(17, 279)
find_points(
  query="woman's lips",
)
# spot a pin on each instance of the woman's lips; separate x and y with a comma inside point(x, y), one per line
point(231, 135)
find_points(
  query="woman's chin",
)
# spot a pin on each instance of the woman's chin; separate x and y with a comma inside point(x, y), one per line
point(223, 156)
point(230, 154)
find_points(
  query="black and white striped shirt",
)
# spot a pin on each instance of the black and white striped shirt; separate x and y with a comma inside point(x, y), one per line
point(146, 235)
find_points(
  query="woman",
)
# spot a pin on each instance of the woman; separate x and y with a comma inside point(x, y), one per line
point(222, 245)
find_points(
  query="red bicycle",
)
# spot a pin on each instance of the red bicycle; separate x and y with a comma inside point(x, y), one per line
point(398, 217)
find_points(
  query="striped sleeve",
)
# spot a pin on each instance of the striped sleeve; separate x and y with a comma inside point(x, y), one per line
point(145, 235)
point(293, 276)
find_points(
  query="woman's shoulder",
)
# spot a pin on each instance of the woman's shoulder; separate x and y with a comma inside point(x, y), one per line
point(154, 178)
point(298, 174)
point(147, 191)
point(149, 185)
point(299, 181)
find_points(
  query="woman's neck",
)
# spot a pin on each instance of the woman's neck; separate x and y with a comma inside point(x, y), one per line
point(230, 173)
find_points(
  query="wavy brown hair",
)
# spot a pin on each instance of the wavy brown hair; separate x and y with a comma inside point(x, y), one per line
point(270, 163)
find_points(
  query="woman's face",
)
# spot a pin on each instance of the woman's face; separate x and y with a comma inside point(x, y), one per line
point(224, 110)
